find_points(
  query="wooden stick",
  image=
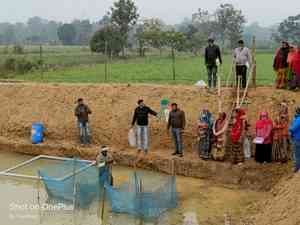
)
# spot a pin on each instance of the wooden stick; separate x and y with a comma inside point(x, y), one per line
point(238, 90)
point(254, 61)
point(219, 92)
point(103, 204)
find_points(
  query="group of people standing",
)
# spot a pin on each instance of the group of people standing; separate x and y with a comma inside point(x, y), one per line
point(242, 60)
point(287, 66)
point(272, 139)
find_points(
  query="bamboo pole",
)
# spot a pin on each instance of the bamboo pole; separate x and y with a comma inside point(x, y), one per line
point(39, 200)
point(103, 204)
point(74, 191)
point(254, 62)
point(238, 90)
point(173, 64)
point(231, 73)
point(41, 62)
point(106, 61)
point(219, 92)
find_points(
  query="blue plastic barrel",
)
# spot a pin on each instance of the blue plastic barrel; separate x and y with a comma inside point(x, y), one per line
point(37, 133)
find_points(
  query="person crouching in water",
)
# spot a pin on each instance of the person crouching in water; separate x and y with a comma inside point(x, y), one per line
point(104, 162)
point(264, 127)
point(205, 124)
point(82, 112)
point(237, 137)
point(219, 129)
point(177, 124)
point(295, 135)
point(141, 118)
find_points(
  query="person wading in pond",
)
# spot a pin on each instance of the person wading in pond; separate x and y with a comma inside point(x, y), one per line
point(295, 135)
point(212, 55)
point(264, 127)
point(205, 125)
point(177, 124)
point(237, 137)
point(242, 59)
point(141, 118)
point(82, 112)
point(105, 160)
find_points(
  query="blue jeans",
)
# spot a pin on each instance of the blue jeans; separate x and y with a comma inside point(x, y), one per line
point(297, 155)
point(212, 76)
point(143, 138)
point(84, 132)
point(177, 135)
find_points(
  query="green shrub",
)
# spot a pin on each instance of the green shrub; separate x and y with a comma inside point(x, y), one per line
point(18, 66)
point(18, 49)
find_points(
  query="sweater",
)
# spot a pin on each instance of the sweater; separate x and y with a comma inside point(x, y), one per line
point(141, 115)
point(212, 53)
point(176, 119)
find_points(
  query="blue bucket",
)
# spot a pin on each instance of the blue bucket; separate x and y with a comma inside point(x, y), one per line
point(37, 133)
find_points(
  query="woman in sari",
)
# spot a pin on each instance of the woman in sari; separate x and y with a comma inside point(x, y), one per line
point(280, 65)
point(205, 125)
point(280, 140)
point(295, 69)
point(263, 140)
point(219, 129)
point(237, 137)
point(290, 75)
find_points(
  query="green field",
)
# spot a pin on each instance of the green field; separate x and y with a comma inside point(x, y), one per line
point(78, 65)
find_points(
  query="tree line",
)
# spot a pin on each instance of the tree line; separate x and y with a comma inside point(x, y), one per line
point(41, 31)
point(122, 28)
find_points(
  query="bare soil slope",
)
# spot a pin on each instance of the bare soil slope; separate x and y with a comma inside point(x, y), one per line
point(283, 208)
point(112, 106)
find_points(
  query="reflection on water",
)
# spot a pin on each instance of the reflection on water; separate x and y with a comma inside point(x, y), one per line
point(199, 201)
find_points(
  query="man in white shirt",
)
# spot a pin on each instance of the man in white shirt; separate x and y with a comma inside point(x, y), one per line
point(242, 59)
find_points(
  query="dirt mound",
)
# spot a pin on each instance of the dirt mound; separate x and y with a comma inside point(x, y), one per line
point(283, 208)
point(112, 106)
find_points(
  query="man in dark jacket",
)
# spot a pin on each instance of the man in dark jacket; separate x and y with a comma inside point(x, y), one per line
point(140, 117)
point(82, 112)
point(177, 124)
point(212, 54)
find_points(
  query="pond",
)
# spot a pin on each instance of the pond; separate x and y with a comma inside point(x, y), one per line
point(201, 201)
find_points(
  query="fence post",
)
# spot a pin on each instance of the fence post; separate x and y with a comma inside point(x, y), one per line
point(173, 64)
point(106, 59)
point(41, 62)
point(254, 61)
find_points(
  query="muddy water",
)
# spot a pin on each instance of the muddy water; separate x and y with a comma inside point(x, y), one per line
point(200, 201)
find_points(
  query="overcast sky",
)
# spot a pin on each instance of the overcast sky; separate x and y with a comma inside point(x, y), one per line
point(266, 12)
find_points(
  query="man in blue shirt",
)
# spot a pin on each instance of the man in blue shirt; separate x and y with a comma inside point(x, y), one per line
point(295, 135)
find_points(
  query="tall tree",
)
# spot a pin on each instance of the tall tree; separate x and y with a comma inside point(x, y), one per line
point(67, 34)
point(107, 40)
point(230, 23)
point(83, 31)
point(289, 30)
point(154, 33)
point(124, 14)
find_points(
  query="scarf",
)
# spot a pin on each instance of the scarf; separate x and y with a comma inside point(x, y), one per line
point(264, 126)
point(206, 117)
point(281, 58)
point(220, 123)
point(238, 126)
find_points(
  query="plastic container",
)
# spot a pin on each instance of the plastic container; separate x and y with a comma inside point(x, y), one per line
point(37, 133)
